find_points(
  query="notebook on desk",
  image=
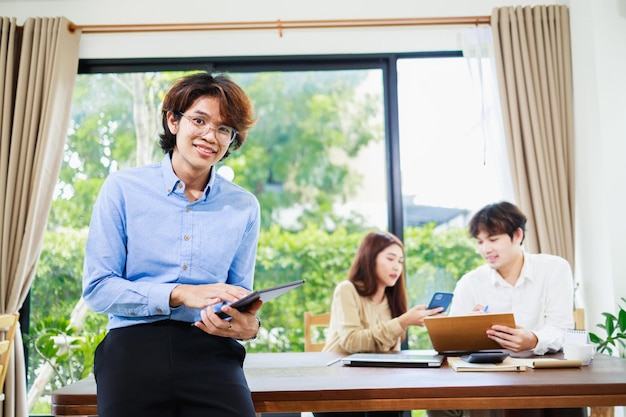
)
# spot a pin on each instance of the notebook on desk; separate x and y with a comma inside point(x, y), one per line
point(460, 334)
point(402, 359)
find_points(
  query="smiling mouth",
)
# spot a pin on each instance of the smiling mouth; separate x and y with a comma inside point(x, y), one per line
point(205, 149)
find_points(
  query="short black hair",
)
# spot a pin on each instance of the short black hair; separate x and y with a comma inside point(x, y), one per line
point(498, 218)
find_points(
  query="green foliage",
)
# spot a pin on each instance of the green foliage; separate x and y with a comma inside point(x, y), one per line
point(436, 259)
point(310, 125)
point(59, 345)
point(101, 139)
point(57, 285)
point(615, 330)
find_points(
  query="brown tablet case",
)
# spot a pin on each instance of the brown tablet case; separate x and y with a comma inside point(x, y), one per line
point(465, 333)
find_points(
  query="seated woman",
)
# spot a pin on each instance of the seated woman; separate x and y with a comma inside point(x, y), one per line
point(369, 312)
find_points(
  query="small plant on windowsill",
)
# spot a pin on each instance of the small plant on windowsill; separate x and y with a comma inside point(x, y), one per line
point(615, 329)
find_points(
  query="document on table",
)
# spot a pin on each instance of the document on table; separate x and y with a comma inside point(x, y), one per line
point(459, 365)
point(545, 363)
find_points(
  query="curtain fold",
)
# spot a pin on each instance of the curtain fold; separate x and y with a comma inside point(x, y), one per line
point(533, 61)
point(38, 64)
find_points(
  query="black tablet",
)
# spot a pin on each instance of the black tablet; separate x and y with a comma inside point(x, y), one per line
point(264, 295)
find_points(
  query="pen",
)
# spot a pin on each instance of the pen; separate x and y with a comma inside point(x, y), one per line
point(334, 361)
point(486, 308)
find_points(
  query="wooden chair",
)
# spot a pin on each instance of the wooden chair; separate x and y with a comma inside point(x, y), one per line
point(8, 326)
point(311, 321)
point(579, 323)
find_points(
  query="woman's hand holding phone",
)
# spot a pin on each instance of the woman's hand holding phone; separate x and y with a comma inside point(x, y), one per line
point(440, 299)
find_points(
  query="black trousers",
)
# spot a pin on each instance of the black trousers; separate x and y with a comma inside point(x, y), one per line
point(170, 369)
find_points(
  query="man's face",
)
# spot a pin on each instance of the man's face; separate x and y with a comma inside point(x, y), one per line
point(500, 251)
point(195, 154)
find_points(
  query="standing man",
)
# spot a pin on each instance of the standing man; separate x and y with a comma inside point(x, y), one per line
point(169, 243)
point(537, 288)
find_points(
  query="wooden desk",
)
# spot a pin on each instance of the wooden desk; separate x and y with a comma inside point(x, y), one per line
point(293, 382)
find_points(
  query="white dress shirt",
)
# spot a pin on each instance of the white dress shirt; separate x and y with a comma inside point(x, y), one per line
point(542, 299)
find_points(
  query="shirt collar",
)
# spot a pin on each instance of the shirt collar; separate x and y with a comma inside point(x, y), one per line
point(174, 185)
point(525, 274)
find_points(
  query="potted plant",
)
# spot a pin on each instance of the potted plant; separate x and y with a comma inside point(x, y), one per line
point(615, 329)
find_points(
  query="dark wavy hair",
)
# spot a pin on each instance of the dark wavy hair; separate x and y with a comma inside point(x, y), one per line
point(363, 271)
point(497, 219)
point(235, 106)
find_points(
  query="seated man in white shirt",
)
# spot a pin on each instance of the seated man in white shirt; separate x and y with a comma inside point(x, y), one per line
point(537, 288)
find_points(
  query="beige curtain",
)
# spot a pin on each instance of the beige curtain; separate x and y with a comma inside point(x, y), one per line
point(38, 65)
point(533, 61)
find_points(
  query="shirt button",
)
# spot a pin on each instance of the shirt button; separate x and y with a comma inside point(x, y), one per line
point(132, 314)
point(185, 267)
point(187, 209)
point(159, 310)
point(186, 237)
point(180, 185)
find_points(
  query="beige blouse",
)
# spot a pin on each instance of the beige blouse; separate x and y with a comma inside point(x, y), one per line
point(357, 324)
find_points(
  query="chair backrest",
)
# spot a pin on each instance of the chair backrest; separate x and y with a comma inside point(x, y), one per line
point(8, 326)
point(313, 321)
point(579, 318)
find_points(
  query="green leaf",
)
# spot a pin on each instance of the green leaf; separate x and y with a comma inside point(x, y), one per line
point(621, 322)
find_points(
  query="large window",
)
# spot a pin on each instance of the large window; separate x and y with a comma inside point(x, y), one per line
point(446, 174)
point(343, 145)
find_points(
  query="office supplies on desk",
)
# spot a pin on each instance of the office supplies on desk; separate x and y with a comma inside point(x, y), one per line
point(544, 363)
point(402, 359)
point(456, 334)
point(486, 356)
point(459, 365)
point(576, 337)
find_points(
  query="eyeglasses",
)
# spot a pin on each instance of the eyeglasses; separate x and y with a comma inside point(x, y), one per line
point(200, 127)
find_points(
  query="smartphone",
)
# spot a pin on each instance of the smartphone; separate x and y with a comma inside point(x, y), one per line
point(440, 299)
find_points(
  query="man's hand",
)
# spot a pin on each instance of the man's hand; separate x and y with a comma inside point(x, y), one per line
point(202, 296)
point(242, 325)
point(515, 340)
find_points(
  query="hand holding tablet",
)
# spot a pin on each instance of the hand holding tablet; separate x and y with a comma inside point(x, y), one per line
point(264, 295)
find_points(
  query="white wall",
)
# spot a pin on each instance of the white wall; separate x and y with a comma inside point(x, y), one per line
point(100, 12)
point(598, 35)
point(599, 58)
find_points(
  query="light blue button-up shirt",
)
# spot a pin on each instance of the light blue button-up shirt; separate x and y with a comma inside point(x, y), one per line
point(145, 238)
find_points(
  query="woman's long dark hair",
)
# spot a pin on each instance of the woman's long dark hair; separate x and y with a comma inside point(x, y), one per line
point(363, 271)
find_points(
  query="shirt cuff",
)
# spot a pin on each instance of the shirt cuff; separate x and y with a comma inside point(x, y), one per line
point(159, 299)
